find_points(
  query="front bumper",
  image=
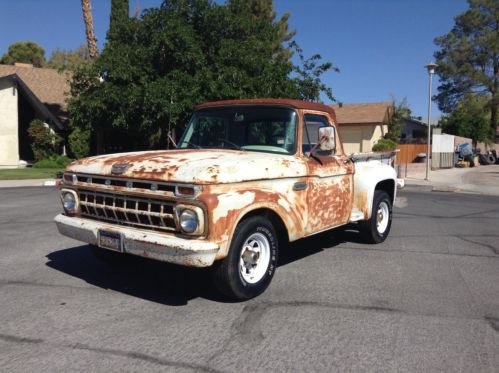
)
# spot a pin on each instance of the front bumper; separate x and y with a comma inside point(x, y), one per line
point(167, 248)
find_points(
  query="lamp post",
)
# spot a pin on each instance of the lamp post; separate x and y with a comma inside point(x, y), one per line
point(431, 70)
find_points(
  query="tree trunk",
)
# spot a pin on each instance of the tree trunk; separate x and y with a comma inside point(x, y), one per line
point(89, 27)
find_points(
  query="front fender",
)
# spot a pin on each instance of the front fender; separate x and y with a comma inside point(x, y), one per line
point(226, 208)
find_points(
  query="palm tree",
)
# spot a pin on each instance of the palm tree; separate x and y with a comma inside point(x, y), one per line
point(89, 27)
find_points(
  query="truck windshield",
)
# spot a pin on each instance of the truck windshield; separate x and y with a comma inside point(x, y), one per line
point(262, 129)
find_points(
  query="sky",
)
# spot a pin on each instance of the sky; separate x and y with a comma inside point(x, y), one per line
point(380, 46)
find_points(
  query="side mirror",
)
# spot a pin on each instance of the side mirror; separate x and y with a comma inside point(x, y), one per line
point(327, 138)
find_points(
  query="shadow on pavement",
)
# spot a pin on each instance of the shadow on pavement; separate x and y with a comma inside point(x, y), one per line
point(171, 284)
point(136, 276)
point(314, 244)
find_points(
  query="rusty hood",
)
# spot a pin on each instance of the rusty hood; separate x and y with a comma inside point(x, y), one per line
point(198, 166)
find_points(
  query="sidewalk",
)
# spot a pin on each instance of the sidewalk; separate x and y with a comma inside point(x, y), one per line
point(27, 183)
point(478, 180)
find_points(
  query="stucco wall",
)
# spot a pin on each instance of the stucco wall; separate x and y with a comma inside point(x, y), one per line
point(361, 138)
point(9, 143)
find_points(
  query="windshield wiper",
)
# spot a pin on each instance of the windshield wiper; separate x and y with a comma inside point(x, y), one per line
point(231, 143)
point(189, 143)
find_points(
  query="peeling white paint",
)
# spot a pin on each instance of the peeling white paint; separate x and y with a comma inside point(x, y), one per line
point(196, 165)
point(232, 201)
point(284, 204)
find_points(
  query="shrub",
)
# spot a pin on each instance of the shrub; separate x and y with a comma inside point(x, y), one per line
point(44, 142)
point(384, 144)
point(79, 142)
point(54, 161)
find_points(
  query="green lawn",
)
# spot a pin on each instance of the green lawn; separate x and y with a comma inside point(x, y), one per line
point(29, 173)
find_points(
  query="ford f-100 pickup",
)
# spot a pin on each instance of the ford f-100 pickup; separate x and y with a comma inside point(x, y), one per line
point(246, 178)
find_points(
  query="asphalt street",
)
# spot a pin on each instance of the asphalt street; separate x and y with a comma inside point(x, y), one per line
point(425, 300)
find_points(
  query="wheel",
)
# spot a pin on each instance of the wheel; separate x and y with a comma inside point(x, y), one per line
point(484, 161)
point(108, 256)
point(377, 228)
point(251, 262)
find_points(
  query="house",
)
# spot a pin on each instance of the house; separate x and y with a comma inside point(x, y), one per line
point(414, 130)
point(28, 93)
point(362, 125)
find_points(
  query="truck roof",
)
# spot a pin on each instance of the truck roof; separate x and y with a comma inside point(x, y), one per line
point(296, 104)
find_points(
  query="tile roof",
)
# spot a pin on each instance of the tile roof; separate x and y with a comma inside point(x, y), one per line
point(370, 113)
point(49, 85)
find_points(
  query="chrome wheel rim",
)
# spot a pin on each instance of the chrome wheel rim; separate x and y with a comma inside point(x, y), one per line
point(254, 258)
point(382, 217)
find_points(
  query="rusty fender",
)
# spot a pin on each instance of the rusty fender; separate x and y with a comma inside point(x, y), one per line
point(168, 248)
point(228, 204)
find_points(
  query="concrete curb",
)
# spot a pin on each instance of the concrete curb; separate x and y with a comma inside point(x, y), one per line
point(29, 183)
point(463, 188)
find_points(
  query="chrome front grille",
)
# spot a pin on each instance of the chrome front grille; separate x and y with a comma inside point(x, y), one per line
point(126, 210)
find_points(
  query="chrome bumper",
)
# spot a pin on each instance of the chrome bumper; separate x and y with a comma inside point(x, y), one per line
point(149, 244)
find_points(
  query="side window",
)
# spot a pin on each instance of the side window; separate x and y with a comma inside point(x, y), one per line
point(311, 130)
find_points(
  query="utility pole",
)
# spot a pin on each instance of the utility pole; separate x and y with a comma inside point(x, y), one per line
point(431, 70)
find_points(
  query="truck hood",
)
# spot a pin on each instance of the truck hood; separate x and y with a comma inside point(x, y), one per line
point(197, 166)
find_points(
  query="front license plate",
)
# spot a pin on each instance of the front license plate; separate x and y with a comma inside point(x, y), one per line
point(110, 240)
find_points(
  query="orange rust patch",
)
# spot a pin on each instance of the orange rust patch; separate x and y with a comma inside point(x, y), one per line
point(361, 202)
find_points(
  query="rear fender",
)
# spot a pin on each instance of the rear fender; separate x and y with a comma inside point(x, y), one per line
point(368, 176)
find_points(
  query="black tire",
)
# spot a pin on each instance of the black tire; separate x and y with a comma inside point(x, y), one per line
point(491, 159)
point(227, 273)
point(484, 161)
point(369, 228)
point(108, 256)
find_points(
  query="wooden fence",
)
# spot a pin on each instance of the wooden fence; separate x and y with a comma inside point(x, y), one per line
point(409, 152)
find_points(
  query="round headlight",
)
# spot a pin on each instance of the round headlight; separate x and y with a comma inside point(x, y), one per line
point(188, 221)
point(69, 201)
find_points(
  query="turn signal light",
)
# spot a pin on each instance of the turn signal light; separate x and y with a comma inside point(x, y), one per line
point(70, 179)
point(187, 191)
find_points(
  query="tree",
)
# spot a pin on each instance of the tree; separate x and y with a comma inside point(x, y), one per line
point(45, 143)
point(79, 142)
point(468, 58)
point(26, 52)
point(399, 111)
point(158, 67)
point(86, 8)
point(469, 119)
point(308, 76)
point(62, 59)
point(119, 15)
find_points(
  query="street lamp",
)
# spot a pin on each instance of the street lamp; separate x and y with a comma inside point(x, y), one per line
point(431, 70)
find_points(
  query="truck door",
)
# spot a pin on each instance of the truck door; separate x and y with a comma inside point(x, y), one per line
point(330, 178)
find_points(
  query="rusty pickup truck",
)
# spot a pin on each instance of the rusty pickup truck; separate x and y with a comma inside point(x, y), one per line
point(246, 178)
